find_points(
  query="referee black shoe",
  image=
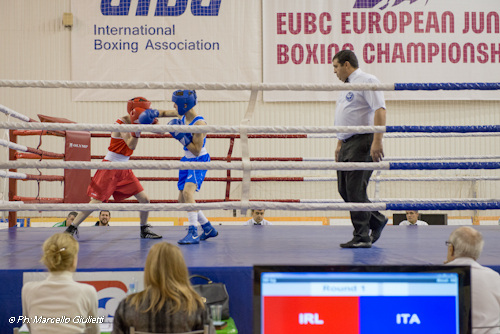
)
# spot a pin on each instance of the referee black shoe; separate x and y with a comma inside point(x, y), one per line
point(357, 244)
point(376, 233)
point(146, 233)
point(73, 230)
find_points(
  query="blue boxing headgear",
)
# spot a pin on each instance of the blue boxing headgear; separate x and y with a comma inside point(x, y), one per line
point(185, 100)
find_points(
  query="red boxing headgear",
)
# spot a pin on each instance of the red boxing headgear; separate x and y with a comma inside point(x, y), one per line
point(136, 106)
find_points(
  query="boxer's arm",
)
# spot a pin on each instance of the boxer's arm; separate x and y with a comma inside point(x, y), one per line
point(197, 143)
point(130, 140)
point(168, 113)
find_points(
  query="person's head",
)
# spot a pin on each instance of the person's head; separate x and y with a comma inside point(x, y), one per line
point(135, 107)
point(166, 277)
point(465, 242)
point(258, 215)
point(104, 217)
point(184, 100)
point(412, 216)
point(71, 216)
point(60, 252)
point(344, 63)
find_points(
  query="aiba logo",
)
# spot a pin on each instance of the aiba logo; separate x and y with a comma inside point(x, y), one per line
point(109, 295)
point(349, 96)
point(110, 7)
point(407, 319)
point(381, 4)
point(310, 319)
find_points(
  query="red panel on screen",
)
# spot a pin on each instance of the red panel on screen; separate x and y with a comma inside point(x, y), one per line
point(311, 315)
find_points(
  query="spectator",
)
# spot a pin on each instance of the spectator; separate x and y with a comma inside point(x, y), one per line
point(412, 219)
point(59, 295)
point(104, 217)
point(68, 220)
point(464, 247)
point(257, 218)
point(168, 303)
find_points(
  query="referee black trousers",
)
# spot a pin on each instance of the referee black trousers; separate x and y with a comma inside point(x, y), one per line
point(352, 185)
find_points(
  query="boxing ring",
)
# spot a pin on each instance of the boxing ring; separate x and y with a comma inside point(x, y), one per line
point(229, 257)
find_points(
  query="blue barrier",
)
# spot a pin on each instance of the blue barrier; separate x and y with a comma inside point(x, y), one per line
point(21, 222)
point(443, 206)
point(443, 165)
point(445, 129)
point(448, 86)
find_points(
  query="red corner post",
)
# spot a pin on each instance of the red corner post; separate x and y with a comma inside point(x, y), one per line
point(76, 181)
point(12, 182)
point(76, 148)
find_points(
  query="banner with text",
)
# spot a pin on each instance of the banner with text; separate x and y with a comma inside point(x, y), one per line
point(398, 41)
point(165, 41)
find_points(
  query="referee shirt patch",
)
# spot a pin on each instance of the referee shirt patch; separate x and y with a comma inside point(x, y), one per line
point(350, 96)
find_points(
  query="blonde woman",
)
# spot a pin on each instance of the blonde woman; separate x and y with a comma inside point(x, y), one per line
point(168, 303)
point(59, 296)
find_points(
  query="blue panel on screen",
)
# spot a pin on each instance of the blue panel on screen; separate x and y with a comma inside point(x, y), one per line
point(408, 315)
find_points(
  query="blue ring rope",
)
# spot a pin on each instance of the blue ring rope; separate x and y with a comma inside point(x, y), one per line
point(443, 165)
point(448, 86)
point(447, 128)
point(443, 206)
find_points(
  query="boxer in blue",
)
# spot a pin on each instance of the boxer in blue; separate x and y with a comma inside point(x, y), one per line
point(194, 151)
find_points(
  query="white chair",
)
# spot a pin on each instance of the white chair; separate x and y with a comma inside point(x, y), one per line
point(200, 331)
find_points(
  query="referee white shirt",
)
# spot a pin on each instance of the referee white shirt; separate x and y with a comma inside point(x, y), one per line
point(253, 222)
point(407, 223)
point(358, 107)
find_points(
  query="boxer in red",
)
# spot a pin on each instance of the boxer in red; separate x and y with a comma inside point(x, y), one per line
point(122, 183)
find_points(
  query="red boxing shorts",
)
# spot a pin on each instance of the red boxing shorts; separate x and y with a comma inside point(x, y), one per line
point(121, 183)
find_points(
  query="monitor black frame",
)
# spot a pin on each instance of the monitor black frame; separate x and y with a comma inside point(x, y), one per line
point(464, 283)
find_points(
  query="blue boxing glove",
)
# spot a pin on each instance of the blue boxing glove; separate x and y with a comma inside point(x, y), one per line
point(184, 138)
point(148, 116)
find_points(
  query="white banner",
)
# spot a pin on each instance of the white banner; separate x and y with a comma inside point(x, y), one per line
point(398, 41)
point(165, 41)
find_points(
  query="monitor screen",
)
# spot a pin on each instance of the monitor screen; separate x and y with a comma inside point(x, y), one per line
point(362, 299)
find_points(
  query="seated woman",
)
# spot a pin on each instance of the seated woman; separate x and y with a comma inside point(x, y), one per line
point(59, 295)
point(168, 303)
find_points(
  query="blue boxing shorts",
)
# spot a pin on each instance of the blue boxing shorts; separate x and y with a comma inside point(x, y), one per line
point(194, 176)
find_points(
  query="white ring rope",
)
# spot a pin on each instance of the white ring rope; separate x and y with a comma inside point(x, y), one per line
point(213, 165)
point(192, 85)
point(13, 146)
point(327, 133)
point(13, 175)
point(223, 129)
point(190, 129)
point(406, 200)
point(13, 113)
point(20, 206)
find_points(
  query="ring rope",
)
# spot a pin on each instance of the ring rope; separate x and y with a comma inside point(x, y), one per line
point(247, 86)
point(28, 177)
point(250, 129)
point(23, 148)
point(259, 165)
point(431, 205)
point(277, 136)
point(36, 200)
